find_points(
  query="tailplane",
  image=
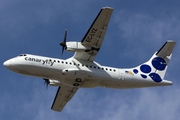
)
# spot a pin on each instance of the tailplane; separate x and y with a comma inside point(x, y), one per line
point(156, 67)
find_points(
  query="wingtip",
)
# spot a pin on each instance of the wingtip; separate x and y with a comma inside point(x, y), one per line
point(172, 41)
point(106, 7)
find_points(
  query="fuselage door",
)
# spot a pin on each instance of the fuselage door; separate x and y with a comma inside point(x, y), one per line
point(121, 75)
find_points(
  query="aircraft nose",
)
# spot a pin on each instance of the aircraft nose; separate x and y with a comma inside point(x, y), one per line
point(7, 63)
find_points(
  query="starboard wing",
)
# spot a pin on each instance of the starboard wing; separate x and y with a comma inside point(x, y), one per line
point(95, 35)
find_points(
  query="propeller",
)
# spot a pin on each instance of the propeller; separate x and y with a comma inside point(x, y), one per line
point(46, 82)
point(63, 44)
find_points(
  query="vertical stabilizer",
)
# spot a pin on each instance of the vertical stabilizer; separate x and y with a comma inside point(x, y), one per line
point(166, 49)
point(162, 58)
point(156, 67)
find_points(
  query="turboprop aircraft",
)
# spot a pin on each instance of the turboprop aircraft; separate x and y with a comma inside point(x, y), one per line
point(81, 71)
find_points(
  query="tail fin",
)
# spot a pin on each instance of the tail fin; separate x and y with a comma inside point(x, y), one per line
point(156, 67)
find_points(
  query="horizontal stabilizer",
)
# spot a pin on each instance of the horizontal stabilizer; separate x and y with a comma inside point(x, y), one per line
point(166, 49)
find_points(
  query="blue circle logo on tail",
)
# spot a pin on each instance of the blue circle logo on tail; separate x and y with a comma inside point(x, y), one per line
point(159, 63)
point(145, 68)
point(155, 77)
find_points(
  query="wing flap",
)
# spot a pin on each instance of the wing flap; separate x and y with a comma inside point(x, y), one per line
point(63, 95)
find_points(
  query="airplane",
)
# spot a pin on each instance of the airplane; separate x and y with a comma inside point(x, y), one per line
point(81, 71)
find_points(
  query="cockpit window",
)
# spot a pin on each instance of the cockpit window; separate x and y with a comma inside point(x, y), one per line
point(22, 55)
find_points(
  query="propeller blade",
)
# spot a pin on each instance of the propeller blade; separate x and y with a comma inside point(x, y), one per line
point(63, 44)
point(65, 36)
point(46, 82)
point(62, 50)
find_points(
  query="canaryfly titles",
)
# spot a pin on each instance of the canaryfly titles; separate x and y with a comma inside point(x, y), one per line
point(47, 61)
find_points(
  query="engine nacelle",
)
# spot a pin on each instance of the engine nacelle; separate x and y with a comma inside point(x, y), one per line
point(54, 82)
point(76, 46)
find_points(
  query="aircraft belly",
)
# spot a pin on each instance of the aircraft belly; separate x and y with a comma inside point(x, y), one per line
point(39, 71)
point(129, 81)
point(79, 78)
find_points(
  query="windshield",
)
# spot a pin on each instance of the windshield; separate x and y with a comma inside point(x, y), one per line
point(22, 55)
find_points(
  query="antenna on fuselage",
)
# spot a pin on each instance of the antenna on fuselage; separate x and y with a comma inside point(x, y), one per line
point(63, 44)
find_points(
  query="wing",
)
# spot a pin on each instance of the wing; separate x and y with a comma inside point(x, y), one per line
point(95, 35)
point(63, 95)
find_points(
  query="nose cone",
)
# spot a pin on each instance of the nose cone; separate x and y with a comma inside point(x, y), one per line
point(11, 65)
point(7, 63)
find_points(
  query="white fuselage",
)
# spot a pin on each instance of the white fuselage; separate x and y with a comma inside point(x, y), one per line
point(91, 74)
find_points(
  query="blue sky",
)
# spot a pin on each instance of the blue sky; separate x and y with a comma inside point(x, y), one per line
point(136, 30)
